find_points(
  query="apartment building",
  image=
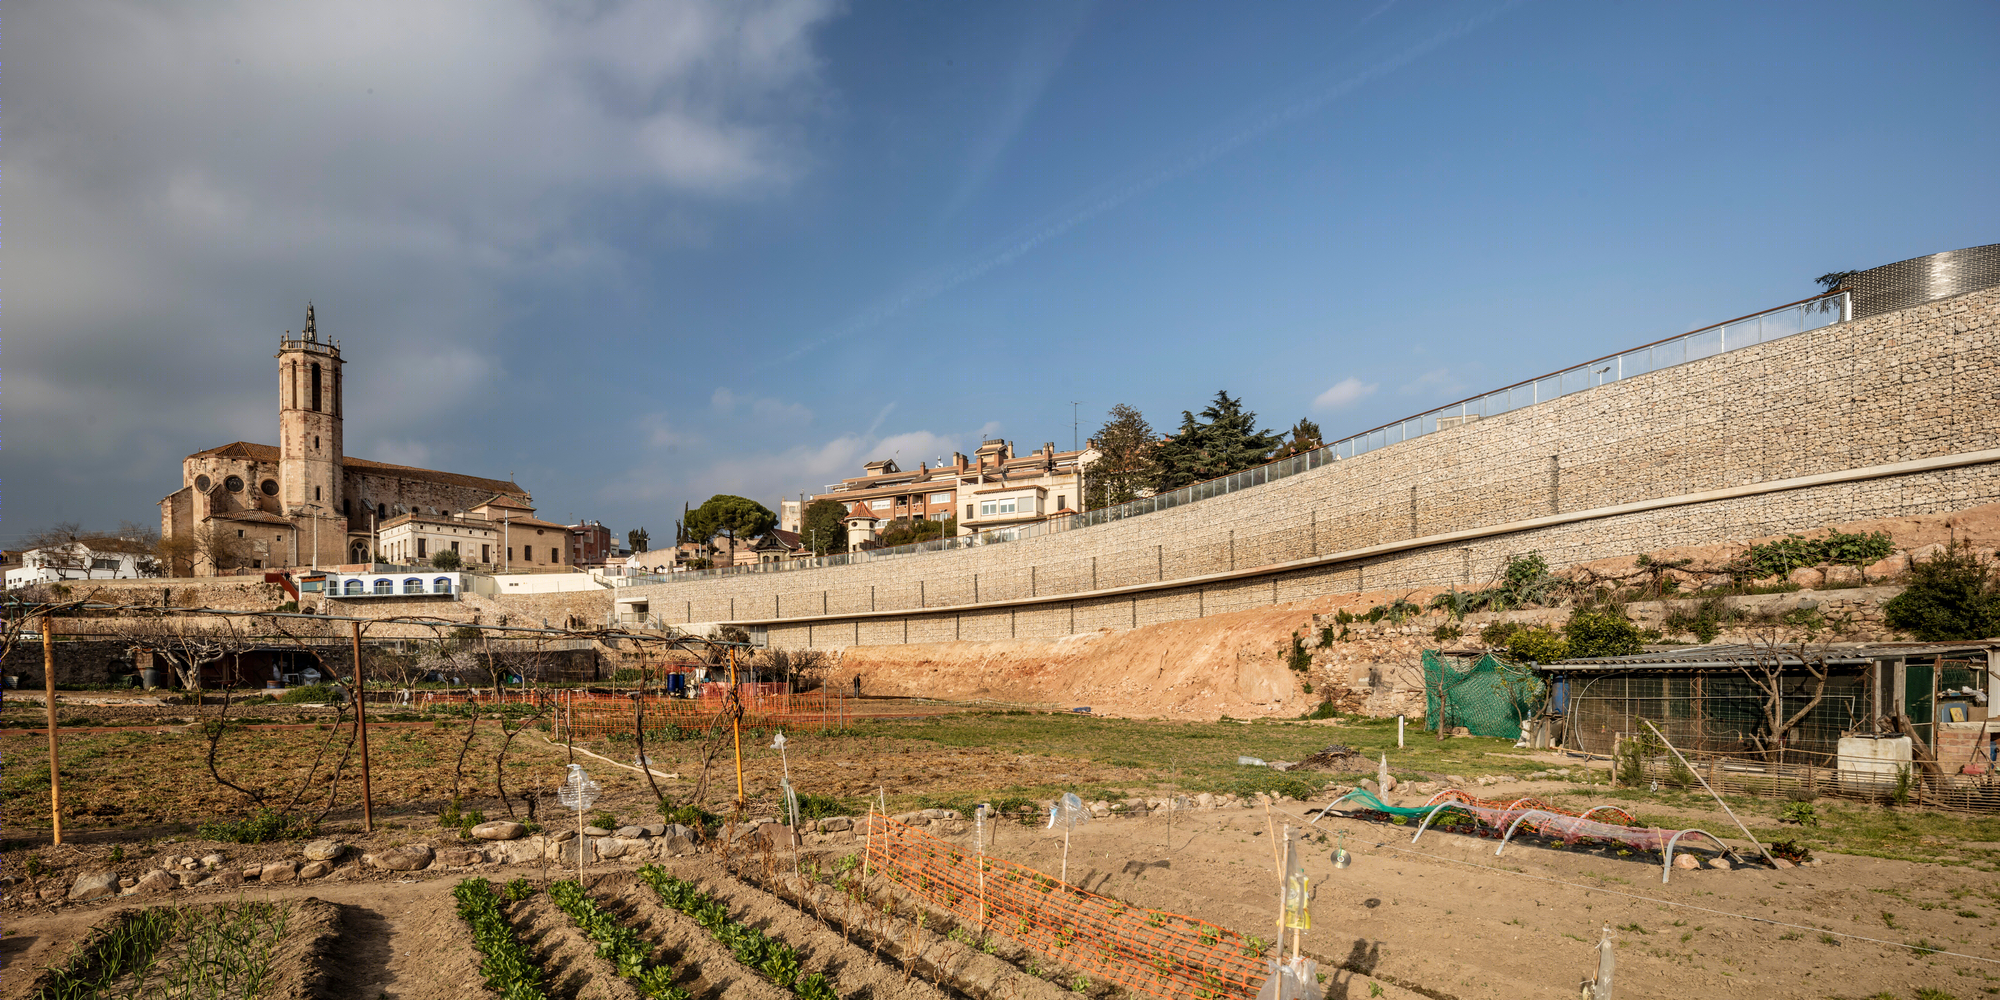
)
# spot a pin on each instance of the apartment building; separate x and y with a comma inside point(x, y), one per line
point(993, 489)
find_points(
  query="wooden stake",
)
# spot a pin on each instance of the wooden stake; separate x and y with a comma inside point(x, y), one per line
point(1277, 857)
point(736, 730)
point(49, 684)
point(361, 721)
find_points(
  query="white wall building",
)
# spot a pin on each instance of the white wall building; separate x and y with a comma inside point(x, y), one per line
point(77, 561)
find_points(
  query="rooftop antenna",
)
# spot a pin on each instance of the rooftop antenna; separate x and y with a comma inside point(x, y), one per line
point(1074, 437)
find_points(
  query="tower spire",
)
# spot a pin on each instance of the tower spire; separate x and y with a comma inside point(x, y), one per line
point(310, 332)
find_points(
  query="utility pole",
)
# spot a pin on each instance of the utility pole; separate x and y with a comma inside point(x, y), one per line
point(361, 726)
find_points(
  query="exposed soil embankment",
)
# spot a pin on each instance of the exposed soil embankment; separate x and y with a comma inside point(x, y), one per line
point(1236, 663)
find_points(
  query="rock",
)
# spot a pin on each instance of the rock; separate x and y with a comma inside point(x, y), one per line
point(1806, 577)
point(1460, 731)
point(561, 835)
point(596, 831)
point(93, 885)
point(1099, 810)
point(1843, 576)
point(832, 824)
point(677, 830)
point(776, 835)
point(323, 850)
point(1537, 775)
point(279, 871)
point(1369, 784)
point(314, 869)
point(252, 871)
point(1563, 771)
point(459, 857)
point(127, 883)
point(212, 860)
point(52, 895)
point(677, 845)
point(629, 832)
point(1388, 785)
point(188, 880)
point(1686, 861)
point(1720, 864)
point(761, 820)
point(610, 847)
point(187, 862)
point(500, 829)
point(400, 859)
point(1454, 779)
point(158, 880)
point(228, 877)
point(1204, 801)
point(1782, 863)
point(655, 829)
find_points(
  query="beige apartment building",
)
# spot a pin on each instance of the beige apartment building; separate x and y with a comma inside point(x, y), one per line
point(501, 535)
point(995, 489)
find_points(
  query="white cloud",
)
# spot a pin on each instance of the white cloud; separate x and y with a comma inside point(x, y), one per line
point(1436, 382)
point(767, 476)
point(762, 408)
point(722, 400)
point(1344, 393)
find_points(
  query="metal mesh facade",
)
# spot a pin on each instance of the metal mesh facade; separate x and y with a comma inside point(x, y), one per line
point(1924, 279)
point(1709, 712)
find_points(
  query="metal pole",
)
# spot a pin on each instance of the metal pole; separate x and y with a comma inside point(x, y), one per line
point(361, 723)
point(49, 685)
point(736, 730)
point(1711, 791)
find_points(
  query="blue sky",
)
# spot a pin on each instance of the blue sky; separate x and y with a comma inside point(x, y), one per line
point(634, 255)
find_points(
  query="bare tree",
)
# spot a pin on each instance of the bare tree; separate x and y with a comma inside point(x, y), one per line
point(803, 669)
point(219, 546)
point(186, 644)
point(1767, 668)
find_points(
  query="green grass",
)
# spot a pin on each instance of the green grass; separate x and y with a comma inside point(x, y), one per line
point(1201, 754)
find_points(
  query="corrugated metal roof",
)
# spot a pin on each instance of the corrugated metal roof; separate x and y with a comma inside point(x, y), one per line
point(1730, 654)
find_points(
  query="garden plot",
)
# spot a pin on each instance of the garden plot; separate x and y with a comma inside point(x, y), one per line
point(221, 951)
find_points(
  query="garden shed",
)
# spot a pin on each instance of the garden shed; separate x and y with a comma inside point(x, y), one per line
point(1853, 710)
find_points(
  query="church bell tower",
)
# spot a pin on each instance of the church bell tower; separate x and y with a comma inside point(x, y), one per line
point(309, 438)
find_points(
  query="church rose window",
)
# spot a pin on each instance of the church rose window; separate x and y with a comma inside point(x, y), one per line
point(202, 483)
point(233, 484)
point(269, 486)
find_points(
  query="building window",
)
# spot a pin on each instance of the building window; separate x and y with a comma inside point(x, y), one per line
point(454, 546)
point(510, 553)
point(385, 587)
point(485, 553)
point(233, 484)
point(988, 508)
point(940, 498)
point(315, 493)
point(882, 504)
point(968, 512)
point(413, 586)
point(202, 483)
point(381, 510)
point(420, 547)
point(1062, 500)
point(352, 587)
point(269, 486)
point(315, 406)
point(555, 554)
point(441, 585)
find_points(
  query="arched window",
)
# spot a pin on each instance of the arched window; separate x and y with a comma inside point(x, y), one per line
point(352, 587)
point(384, 587)
point(413, 585)
point(441, 585)
point(315, 406)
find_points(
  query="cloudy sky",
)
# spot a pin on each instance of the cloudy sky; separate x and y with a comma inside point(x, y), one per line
point(634, 254)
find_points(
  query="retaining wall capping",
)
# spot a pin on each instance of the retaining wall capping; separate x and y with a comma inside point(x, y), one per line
point(1890, 415)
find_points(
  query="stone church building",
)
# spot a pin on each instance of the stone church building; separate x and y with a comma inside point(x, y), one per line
point(304, 501)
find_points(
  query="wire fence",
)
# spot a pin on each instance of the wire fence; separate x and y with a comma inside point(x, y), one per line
point(1155, 952)
point(1758, 328)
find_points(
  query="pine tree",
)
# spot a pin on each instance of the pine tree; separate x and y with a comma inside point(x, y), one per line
point(1224, 440)
point(1305, 438)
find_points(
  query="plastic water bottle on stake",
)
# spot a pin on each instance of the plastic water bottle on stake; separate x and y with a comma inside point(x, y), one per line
point(578, 792)
point(1067, 812)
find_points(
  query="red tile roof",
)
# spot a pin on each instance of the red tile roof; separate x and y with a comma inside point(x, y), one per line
point(248, 451)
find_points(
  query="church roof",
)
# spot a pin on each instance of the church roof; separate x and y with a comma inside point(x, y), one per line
point(259, 516)
point(249, 452)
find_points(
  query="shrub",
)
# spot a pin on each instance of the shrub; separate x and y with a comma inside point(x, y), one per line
point(1704, 621)
point(1540, 644)
point(1797, 551)
point(1447, 632)
point(1952, 595)
point(263, 826)
point(1594, 632)
point(309, 694)
point(1498, 633)
point(1298, 658)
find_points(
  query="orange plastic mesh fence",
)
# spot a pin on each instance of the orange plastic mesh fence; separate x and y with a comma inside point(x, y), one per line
point(1150, 951)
